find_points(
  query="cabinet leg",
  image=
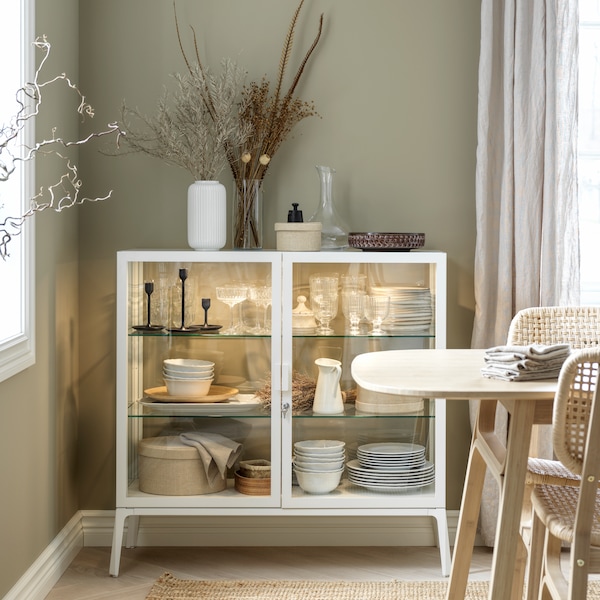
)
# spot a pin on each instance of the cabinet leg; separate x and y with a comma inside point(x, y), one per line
point(443, 539)
point(115, 555)
point(133, 526)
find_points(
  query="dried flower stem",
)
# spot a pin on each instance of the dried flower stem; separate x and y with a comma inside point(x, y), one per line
point(266, 119)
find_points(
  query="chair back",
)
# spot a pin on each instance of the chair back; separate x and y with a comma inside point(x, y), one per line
point(578, 326)
point(573, 405)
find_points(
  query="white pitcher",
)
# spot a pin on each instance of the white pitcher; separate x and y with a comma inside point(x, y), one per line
point(328, 396)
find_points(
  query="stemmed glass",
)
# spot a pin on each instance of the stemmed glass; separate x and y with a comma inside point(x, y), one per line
point(377, 309)
point(324, 300)
point(261, 295)
point(353, 307)
point(232, 295)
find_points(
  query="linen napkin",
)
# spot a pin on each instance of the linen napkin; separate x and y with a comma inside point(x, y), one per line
point(217, 452)
point(535, 361)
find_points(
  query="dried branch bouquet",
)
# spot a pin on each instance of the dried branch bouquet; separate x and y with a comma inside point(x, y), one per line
point(265, 119)
point(191, 123)
point(65, 192)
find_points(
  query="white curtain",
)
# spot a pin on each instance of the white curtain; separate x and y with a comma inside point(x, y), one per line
point(527, 248)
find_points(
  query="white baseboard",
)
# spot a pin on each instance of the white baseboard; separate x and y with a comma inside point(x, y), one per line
point(41, 576)
point(95, 528)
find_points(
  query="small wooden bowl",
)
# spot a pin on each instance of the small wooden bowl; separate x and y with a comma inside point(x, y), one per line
point(252, 487)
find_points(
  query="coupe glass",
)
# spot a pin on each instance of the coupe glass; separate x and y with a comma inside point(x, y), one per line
point(377, 309)
point(232, 295)
point(261, 295)
point(353, 307)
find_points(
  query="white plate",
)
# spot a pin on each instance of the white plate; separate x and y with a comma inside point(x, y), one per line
point(237, 404)
point(391, 449)
point(358, 469)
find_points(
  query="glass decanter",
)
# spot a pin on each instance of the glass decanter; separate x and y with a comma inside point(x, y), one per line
point(334, 232)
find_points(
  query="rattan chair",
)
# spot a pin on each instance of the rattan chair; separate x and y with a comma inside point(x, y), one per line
point(578, 326)
point(571, 514)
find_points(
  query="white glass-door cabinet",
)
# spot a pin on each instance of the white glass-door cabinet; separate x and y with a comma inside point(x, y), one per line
point(265, 374)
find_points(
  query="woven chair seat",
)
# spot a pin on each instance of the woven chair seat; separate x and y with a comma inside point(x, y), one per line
point(556, 507)
point(549, 472)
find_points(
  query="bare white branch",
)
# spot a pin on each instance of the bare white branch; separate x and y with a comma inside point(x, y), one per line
point(65, 192)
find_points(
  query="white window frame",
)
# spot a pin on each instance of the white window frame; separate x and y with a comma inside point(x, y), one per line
point(18, 351)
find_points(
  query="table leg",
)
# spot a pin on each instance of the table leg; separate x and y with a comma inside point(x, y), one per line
point(467, 525)
point(506, 547)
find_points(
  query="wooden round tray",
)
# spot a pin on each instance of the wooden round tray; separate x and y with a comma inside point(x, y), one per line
point(217, 393)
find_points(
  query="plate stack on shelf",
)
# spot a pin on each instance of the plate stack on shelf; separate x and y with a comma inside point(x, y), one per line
point(391, 467)
point(410, 307)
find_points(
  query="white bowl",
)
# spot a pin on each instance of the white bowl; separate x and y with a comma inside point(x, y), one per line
point(415, 408)
point(363, 395)
point(193, 365)
point(188, 387)
point(189, 376)
point(319, 483)
point(319, 458)
point(310, 467)
point(319, 446)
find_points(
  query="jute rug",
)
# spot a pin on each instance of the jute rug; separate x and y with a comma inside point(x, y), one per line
point(170, 588)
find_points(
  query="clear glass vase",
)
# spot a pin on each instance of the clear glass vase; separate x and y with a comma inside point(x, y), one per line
point(247, 214)
point(334, 232)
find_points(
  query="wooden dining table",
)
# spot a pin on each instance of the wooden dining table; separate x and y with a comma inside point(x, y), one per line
point(456, 375)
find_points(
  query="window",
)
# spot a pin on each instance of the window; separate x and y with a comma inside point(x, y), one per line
point(589, 149)
point(17, 345)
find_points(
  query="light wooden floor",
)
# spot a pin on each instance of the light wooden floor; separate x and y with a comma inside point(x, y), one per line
point(87, 577)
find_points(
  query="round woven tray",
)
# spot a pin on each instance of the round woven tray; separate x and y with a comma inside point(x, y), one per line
point(390, 242)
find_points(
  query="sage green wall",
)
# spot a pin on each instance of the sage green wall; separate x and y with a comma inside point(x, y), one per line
point(395, 82)
point(38, 426)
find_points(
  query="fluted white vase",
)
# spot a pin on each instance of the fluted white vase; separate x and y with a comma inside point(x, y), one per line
point(207, 215)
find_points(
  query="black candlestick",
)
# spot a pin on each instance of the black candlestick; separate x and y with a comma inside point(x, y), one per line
point(149, 289)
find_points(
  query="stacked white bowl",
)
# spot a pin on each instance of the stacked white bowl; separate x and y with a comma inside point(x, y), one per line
point(319, 464)
point(188, 376)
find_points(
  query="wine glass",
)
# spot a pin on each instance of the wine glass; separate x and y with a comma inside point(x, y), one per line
point(261, 295)
point(377, 309)
point(232, 295)
point(353, 307)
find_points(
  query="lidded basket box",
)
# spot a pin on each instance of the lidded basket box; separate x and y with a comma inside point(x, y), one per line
point(169, 467)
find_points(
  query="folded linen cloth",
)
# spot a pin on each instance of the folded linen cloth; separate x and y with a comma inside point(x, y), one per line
point(535, 361)
point(217, 452)
point(536, 352)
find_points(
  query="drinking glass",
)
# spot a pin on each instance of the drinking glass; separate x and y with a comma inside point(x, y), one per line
point(353, 307)
point(377, 309)
point(355, 282)
point(324, 300)
point(261, 296)
point(232, 295)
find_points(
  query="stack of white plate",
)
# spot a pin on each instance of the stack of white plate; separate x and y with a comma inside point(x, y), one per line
point(319, 464)
point(391, 467)
point(188, 376)
point(410, 307)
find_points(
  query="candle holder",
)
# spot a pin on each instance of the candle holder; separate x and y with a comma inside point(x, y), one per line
point(183, 274)
point(148, 327)
point(206, 327)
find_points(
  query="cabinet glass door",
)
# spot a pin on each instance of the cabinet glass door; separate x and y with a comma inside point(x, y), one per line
point(344, 446)
point(188, 318)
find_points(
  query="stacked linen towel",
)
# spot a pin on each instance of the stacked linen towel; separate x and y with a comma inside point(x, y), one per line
point(520, 363)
